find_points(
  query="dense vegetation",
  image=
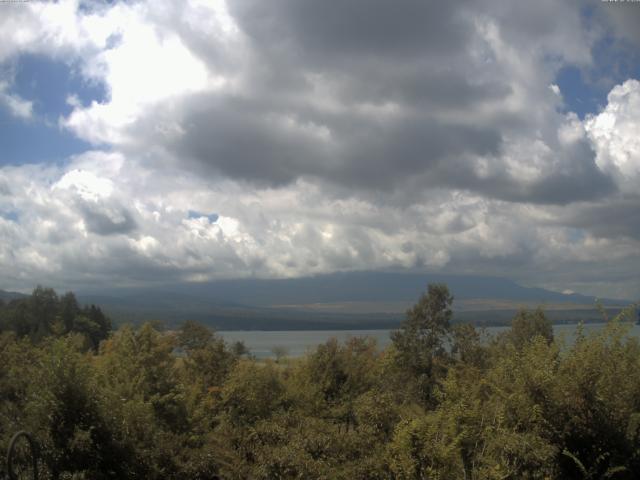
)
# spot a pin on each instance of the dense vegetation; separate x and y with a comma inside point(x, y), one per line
point(442, 402)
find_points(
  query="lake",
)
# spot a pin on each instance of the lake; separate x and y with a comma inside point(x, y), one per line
point(299, 342)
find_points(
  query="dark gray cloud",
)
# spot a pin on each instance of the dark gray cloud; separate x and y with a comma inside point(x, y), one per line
point(104, 218)
point(624, 19)
point(252, 141)
point(378, 97)
point(424, 85)
point(240, 140)
point(326, 32)
point(384, 157)
point(575, 178)
point(245, 142)
point(613, 219)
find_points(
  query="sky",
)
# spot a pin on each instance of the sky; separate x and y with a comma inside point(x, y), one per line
point(150, 142)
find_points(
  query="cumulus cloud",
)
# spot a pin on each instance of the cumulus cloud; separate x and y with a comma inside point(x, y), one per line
point(71, 232)
point(615, 135)
point(284, 101)
point(418, 136)
point(447, 94)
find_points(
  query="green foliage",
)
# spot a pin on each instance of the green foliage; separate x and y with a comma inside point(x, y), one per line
point(467, 346)
point(441, 402)
point(427, 447)
point(251, 393)
point(419, 343)
point(528, 325)
point(208, 360)
point(44, 314)
point(194, 336)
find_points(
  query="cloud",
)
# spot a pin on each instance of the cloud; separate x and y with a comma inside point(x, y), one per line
point(17, 106)
point(107, 219)
point(615, 134)
point(415, 93)
point(87, 185)
point(418, 136)
point(72, 233)
point(611, 220)
point(624, 18)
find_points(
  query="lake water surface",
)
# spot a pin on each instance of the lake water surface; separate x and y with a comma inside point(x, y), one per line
point(299, 342)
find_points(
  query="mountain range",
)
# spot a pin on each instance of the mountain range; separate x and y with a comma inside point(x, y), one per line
point(339, 300)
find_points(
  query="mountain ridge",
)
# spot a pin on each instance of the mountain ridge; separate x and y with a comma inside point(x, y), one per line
point(343, 300)
point(346, 287)
point(7, 296)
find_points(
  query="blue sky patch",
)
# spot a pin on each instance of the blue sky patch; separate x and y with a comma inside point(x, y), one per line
point(585, 90)
point(580, 96)
point(576, 235)
point(12, 216)
point(47, 83)
point(213, 217)
point(35, 142)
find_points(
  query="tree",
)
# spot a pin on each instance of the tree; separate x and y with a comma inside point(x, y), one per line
point(93, 324)
point(280, 352)
point(142, 398)
point(68, 310)
point(467, 346)
point(65, 415)
point(528, 325)
point(42, 311)
point(251, 393)
point(419, 342)
point(208, 360)
point(194, 335)
point(44, 314)
point(239, 349)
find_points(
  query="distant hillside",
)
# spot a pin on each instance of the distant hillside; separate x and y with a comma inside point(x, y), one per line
point(342, 300)
point(7, 296)
point(344, 287)
point(372, 286)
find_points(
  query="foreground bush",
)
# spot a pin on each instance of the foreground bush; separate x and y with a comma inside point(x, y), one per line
point(442, 402)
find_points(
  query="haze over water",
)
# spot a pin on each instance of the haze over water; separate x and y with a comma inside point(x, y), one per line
point(299, 342)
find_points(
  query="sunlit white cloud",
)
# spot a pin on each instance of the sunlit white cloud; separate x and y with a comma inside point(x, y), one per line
point(615, 134)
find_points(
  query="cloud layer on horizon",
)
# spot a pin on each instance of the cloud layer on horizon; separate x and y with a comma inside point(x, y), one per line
point(420, 136)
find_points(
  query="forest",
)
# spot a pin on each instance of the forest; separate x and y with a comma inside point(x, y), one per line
point(444, 401)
